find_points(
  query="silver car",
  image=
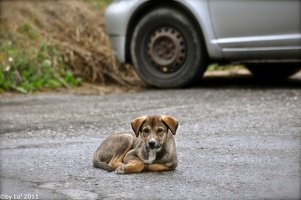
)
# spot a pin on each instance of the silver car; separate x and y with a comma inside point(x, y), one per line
point(171, 42)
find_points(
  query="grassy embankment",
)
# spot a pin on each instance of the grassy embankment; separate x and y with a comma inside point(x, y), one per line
point(46, 44)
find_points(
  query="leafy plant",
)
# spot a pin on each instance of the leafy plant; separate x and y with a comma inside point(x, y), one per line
point(27, 71)
point(214, 67)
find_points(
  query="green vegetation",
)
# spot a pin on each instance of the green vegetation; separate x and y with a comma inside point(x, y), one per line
point(29, 31)
point(214, 67)
point(27, 62)
point(27, 70)
point(100, 3)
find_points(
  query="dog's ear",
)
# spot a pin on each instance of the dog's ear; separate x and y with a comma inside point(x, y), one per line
point(136, 124)
point(171, 122)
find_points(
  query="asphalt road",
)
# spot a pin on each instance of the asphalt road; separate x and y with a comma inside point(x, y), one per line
point(237, 139)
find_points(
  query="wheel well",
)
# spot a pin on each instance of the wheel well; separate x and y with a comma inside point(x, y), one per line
point(149, 6)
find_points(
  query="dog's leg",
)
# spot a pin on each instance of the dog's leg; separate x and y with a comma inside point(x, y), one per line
point(126, 143)
point(157, 167)
point(133, 164)
point(116, 162)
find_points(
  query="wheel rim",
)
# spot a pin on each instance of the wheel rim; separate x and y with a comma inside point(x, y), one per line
point(166, 50)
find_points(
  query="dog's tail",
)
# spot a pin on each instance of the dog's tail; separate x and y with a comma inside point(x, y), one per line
point(101, 165)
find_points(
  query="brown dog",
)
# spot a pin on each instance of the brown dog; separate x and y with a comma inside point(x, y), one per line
point(151, 147)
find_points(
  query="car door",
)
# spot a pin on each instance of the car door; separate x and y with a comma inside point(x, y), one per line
point(257, 25)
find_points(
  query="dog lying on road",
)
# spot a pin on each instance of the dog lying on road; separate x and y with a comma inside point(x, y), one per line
point(151, 147)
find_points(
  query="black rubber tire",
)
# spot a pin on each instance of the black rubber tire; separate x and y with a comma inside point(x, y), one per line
point(273, 71)
point(189, 64)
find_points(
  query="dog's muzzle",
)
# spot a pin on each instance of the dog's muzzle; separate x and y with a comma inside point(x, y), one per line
point(153, 144)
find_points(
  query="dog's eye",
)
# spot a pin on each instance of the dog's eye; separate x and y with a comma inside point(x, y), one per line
point(145, 130)
point(159, 130)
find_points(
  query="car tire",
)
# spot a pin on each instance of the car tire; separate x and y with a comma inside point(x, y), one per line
point(166, 49)
point(273, 71)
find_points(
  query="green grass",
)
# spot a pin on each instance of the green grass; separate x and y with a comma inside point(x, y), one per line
point(215, 66)
point(100, 3)
point(29, 70)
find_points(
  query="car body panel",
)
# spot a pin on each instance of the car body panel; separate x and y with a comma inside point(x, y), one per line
point(200, 10)
point(118, 14)
point(257, 26)
point(252, 18)
point(117, 18)
point(244, 30)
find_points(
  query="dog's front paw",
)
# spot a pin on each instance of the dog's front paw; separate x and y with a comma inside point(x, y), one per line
point(120, 170)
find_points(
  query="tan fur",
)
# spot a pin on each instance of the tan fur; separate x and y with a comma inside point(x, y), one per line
point(151, 147)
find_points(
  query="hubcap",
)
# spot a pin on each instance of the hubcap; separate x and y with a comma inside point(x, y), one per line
point(166, 50)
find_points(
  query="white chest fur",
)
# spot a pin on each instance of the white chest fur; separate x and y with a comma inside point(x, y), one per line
point(151, 156)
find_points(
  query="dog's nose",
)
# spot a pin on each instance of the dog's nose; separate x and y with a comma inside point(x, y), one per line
point(151, 144)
